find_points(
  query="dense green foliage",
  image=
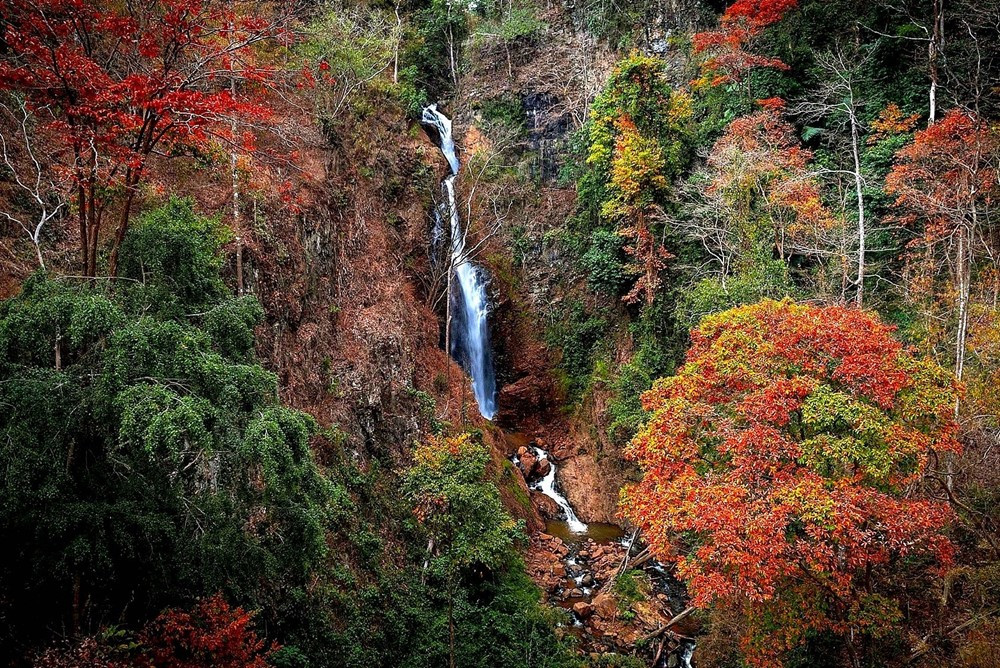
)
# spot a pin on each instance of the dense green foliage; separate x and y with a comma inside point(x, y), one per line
point(147, 457)
point(492, 616)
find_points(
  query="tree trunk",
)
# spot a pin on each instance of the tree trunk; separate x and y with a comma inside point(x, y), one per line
point(859, 191)
point(93, 231)
point(962, 275)
point(935, 47)
point(132, 177)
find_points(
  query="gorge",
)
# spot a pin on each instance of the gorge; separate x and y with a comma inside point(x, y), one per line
point(454, 333)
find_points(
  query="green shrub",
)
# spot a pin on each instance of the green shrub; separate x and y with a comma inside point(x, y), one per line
point(605, 262)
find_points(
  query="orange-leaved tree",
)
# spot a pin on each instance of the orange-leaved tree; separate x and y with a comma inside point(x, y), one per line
point(638, 166)
point(763, 187)
point(945, 184)
point(112, 84)
point(782, 465)
point(729, 49)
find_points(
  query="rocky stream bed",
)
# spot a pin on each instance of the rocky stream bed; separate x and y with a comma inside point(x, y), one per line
point(618, 597)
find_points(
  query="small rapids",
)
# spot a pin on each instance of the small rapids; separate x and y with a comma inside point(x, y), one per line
point(547, 486)
point(586, 576)
point(469, 302)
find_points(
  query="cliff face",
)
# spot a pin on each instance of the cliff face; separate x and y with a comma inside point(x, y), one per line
point(355, 324)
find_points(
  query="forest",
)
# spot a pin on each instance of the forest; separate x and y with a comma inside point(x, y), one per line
point(499, 333)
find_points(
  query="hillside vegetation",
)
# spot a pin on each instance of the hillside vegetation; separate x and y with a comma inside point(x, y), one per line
point(741, 265)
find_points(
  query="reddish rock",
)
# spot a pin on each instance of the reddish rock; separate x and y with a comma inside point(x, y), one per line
point(527, 396)
point(529, 465)
point(547, 508)
point(583, 609)
point(605, 606)
point(543, 467)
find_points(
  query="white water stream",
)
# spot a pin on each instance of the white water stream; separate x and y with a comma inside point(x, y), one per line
point(547, 486)
point(470, 334)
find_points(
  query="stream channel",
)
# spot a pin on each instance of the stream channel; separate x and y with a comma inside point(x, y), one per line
point(583, 540)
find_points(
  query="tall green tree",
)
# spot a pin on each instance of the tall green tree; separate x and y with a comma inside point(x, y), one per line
point(147, 457)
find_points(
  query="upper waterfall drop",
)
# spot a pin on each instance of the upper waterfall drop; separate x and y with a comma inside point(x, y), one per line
point(468, 301)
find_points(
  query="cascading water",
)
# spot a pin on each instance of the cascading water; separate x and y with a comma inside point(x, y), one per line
point(470, 334)
point(547, 486)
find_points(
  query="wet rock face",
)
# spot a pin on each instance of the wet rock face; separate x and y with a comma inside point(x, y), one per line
point(532, 466)
point(546, 507)
point(592, 493)
point(548, 129)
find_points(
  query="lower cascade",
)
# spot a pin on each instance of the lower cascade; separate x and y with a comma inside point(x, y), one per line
point(469, 305)
point(547, 486)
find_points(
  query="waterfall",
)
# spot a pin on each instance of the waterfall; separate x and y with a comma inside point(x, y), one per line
point(547, 486)
point(469, 305)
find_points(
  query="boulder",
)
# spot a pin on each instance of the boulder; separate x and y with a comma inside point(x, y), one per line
point(529, 465)
point(583, 609)
point(605, 606)
point(546, 506)
point(543, 467)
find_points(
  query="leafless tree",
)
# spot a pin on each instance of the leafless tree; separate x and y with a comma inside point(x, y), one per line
point(30, 177)
point(837, 102)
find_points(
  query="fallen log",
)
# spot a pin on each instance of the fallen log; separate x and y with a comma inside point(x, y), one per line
point(677, 619)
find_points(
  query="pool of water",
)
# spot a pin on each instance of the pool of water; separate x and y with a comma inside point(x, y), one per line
point(599, 533)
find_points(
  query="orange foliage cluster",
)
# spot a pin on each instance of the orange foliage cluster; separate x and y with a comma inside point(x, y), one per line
point(780, 452)
point(212, 634)
point(891, 121)
point(946, 174)
point(760, 153)
point(729, 57)
point(636, 175)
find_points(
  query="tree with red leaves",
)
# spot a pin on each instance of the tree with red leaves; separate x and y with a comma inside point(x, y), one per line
point(112, 84)
point(762, 194)
point(212, 635)
point(729, 49)
point(945, 183)
point(781, 469)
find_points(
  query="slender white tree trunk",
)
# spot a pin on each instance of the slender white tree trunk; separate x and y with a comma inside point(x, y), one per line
point(935, 48)
point(859, 191)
